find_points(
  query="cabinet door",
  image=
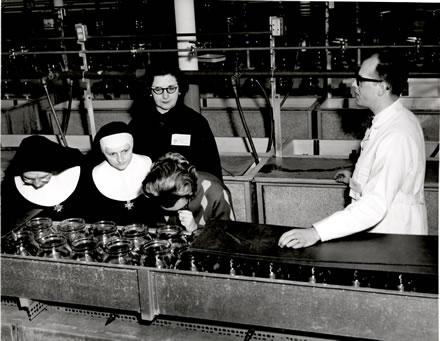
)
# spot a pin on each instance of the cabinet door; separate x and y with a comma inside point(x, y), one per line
point(242, 194)
point(298, 205)
point(431, 199)
point(302, 205)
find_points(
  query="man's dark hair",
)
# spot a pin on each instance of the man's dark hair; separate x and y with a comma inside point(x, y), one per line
point(393, 69)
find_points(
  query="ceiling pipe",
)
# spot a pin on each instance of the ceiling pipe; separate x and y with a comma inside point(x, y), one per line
point(186, 22)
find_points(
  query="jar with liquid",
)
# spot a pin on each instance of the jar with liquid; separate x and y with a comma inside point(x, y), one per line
point(54, 246)
point(158, 254)
point(72, 229)
point(104, 231)
point(137, 234)
point(118, 251)
point(173, 234)
point(40, 227)
point(25, 244)
point(86, 250)
point(186, 260)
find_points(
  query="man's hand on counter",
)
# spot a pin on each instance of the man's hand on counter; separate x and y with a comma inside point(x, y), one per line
point(343, 176)
point(299, 238)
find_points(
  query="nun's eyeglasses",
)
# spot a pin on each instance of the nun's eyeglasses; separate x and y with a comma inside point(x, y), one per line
point(159, 91)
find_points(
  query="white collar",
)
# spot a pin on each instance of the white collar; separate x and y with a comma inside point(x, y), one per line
point(387, 114)
point(122, 185)
point(57, 190)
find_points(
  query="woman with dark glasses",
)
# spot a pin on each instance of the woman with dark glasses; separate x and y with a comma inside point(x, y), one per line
point(163, 123)
point(184, 196)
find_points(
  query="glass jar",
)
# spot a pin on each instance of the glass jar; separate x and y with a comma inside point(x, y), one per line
point(158, 254)
point(104, 231)
point(72, 229)
point(118, 252)
point(40, 227)
point(86, 250)
point(173, 234)
point(137, 234)
point(54, 246)
point(25, 244)
point(186, 260)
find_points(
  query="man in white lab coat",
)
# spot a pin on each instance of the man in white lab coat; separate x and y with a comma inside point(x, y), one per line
point(387, 187)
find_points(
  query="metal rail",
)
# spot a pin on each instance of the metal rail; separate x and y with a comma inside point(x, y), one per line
point(202, 73)
point(220, 49)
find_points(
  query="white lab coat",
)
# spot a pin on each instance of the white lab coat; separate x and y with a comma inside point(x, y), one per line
point(387, 187)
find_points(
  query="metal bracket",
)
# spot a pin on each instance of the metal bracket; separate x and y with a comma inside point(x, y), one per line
point(33, 308)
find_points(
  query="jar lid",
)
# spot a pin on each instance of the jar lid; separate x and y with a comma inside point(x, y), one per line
point(168, 231)
point(133, 230)
point(52, 240)
point(103, 227)
point(39, 222)
point(156, 246)
point(72, 224)
point(118, 245)
point(84, 244)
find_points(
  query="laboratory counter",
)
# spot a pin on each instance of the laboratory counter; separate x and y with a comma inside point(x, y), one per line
point(232, 282)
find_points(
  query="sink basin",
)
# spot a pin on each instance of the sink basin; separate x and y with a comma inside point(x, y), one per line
point(339, 103)
point(421, 103)
point(240, 145)
point(338, 148)
point(257, 102)
point(327, 148)
point(412, 103)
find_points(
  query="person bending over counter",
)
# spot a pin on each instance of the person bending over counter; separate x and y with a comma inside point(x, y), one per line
point(41, 180)
point(185, 196)
point(161, 123)
point(387, 187)
point(112, 189)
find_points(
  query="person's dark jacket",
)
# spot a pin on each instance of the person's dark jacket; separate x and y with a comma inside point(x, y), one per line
point(153, 134)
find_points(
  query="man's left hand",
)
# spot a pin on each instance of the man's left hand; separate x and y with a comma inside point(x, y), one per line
point(299, 238)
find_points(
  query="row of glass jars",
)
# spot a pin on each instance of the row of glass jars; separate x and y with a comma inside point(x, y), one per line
point(100, 242)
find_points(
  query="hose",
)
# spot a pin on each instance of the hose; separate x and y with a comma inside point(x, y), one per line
point(234, 81)
point(52, 108)
point(66, 117)
point(272, 128)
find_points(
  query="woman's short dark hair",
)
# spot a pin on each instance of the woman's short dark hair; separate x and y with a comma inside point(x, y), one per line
point(393, 69)
point(166, 68)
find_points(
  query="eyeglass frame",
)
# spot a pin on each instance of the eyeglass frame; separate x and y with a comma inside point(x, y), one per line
point(359, 79)
point(170, 89)
point(167, 203)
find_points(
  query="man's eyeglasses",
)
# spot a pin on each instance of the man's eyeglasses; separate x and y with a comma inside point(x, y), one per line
point(159, 91)
point(363, 79)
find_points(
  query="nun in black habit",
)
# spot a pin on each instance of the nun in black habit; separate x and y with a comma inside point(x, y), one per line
point(41, 180)
point(113, 186)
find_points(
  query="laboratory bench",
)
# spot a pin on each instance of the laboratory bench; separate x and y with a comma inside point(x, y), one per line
point(232, 283)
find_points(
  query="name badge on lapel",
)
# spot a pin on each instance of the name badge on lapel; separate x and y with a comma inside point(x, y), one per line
point(180, 140)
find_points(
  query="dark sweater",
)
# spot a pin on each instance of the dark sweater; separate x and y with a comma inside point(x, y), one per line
point(153, 133)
